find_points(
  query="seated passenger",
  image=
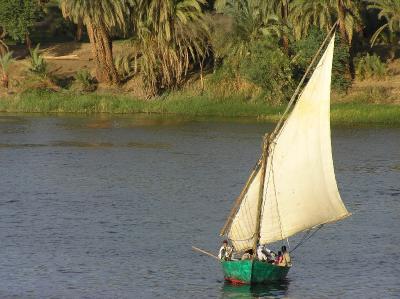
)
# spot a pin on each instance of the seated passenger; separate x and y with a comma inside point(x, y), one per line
point(261, 255)
point(225, 252)
point(278, 259)
point(286, 260)
point(272, 257)
point(264, 254)
point(248, 255)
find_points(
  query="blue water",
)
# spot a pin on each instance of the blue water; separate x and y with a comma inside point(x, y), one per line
point(108, 207)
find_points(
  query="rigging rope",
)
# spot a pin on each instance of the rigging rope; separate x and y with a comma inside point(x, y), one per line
point(236, 207)
point(308, 235)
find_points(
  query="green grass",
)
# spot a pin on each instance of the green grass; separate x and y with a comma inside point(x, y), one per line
point(355, 113)
point(175, 103)
point(365, 113)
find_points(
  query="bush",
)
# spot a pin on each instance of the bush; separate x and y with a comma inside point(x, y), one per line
point(39, 83)
point(263, 72)
point(373, 95)
point(269, 68)
point(18, 17)
point(305, 49)
point(38, 64)
point(85, 81)
point(370, 66)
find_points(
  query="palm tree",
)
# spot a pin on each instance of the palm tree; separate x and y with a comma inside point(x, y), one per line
point(79, 30)
point(252, 20)
point(172, 35)
point(281, 7)
point(323, 14)
point(349, 18)
point(5, 62)
point(100, 18)
point(388, 10)
point(3, 45)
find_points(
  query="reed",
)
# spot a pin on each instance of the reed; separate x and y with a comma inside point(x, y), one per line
point(354, 113)
point(365, 114)
point(176, 103)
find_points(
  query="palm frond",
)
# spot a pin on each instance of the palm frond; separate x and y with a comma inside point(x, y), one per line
point(5, 62)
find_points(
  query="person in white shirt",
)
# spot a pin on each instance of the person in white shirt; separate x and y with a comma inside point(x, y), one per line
point(261, 253)
point(225, 252)
point(265, 254)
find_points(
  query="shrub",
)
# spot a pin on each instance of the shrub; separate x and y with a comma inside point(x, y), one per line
point(305, 49)
point(85, 81)
point(370, 66)
point(39, 83)
point(38, 64)
point(269, 68)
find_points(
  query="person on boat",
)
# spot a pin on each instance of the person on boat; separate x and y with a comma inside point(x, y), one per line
point(278, 259)
point(261, 253)
point(248, 255)
point(264, 253)
point(272, 257)
point(286, 260)
point(225, 252)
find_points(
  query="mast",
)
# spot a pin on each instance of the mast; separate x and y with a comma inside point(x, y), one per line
point(261, 191)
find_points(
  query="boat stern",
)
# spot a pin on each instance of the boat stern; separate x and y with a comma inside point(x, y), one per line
point(238, 271)
point(248, 272)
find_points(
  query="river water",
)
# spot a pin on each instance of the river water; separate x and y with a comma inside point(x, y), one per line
point(108, 207)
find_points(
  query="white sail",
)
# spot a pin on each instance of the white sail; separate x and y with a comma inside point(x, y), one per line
point(243, 227)
point(300, 190)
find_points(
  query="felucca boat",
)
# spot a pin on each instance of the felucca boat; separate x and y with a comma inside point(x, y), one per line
point(292, 188)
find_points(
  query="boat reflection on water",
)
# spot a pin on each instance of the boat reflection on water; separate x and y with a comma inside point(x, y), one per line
point(271, 290)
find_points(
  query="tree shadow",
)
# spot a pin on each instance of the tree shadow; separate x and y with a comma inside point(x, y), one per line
point(53, 49)
point(62, 49)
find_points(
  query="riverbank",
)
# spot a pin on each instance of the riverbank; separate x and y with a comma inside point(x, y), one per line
point(367, 102)
point(345, 113)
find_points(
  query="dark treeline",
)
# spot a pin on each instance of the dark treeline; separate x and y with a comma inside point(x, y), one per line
point(264, 44)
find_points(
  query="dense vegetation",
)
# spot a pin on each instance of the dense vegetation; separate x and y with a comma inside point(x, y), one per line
point(257, 48)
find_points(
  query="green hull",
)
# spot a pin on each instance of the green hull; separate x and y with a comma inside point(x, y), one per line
point(252, 271)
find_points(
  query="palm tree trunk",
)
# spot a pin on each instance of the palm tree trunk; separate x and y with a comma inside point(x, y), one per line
point(3, 45)
point(28, 41)
point(102, 52)
point(79, 30)
point(3, 48)
point(285, 14)
point(5, 81)
point(341, 16)
point(201, 75)
point(345, 37)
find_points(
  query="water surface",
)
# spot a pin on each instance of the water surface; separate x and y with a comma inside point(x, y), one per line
point(108, 207)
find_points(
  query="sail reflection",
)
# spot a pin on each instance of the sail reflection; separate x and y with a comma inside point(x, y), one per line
point(271, 290)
